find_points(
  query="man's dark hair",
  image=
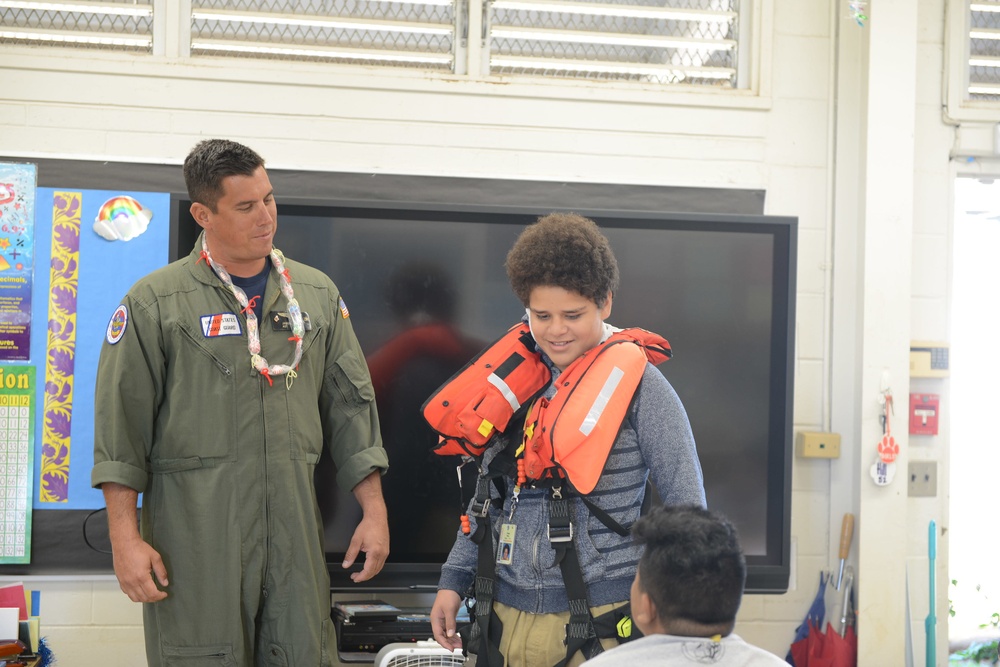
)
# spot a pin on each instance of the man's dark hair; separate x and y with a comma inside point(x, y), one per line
point(563, 250)
point(692, 568)
point(213, 160)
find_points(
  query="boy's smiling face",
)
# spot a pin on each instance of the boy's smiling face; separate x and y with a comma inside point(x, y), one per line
point(565, 324)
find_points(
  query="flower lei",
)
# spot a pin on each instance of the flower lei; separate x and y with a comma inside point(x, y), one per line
point(253, 333)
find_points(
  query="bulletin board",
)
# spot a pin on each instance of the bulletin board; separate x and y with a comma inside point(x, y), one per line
point(92, 246)
point(89, 247)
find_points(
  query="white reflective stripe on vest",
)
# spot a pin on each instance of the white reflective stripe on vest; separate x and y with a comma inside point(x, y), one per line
point(495, 380)
point(601, 400)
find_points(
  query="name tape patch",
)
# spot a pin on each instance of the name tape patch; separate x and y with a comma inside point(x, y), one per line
point(221, 324)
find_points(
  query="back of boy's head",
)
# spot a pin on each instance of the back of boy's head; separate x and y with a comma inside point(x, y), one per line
point(692, 568)
point(563, 250)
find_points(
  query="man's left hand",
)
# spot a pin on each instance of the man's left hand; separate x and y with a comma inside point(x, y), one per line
point(371, 537)
point(372, 534)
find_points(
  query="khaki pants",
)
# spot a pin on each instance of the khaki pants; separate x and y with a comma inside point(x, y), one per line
point(536, 640)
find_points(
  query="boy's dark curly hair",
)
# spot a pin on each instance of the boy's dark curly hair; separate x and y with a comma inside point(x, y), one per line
point(563, 250)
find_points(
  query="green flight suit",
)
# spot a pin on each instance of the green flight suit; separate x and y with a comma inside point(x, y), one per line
point(225, 461)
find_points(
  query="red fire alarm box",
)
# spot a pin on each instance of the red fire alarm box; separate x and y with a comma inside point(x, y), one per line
point(924, 411)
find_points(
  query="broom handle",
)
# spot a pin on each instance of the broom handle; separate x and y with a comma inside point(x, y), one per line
point(931, 621)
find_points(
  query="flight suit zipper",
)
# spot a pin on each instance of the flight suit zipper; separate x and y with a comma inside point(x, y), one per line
point(269, 297)
point(221, 365)
point(267, 493)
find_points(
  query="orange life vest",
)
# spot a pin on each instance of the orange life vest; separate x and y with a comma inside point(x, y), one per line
point(590, 403)
point(571, 434)
point(481, 398)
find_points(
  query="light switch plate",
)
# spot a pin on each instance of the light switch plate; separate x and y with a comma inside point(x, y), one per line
point(922, 479)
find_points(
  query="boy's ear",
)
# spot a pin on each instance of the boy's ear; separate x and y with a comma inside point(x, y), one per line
point(606, 308)
point(644, 610)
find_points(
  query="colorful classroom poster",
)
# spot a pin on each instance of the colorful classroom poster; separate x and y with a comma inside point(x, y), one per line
point(17, 203)
point(17, 439)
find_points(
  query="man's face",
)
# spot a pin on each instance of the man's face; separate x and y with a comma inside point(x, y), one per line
point(241, 229)
point(565, 324)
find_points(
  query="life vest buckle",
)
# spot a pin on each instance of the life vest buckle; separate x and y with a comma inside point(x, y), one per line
point(558, 534)
point(479, 509)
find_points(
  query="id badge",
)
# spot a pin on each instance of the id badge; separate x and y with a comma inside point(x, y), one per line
point(505, 549)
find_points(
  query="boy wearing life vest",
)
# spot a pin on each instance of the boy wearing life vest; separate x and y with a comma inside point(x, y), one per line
point(567, 419)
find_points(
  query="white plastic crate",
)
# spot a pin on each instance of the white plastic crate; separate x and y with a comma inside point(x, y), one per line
point(418, 654)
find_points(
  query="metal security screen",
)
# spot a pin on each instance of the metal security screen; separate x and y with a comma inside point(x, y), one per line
point(117, 25)
point(657, 41)
point(697, 43)
point(984, 51)
point(407, 33)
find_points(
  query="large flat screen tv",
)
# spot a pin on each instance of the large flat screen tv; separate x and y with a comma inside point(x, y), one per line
point(720, 288)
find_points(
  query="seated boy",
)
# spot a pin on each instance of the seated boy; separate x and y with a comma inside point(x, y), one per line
point(686, 593)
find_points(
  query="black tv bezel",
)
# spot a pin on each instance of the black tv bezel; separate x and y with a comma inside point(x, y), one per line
point(67, 542)
point(767, 574)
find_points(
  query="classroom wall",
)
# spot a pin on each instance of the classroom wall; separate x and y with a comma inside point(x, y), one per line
point(804, 138)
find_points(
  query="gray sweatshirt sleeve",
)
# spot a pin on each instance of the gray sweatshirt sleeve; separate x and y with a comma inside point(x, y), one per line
point(667, 443)
point(459, 571)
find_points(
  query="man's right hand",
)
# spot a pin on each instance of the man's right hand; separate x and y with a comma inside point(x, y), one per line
point(443, 619)
point(139, 567)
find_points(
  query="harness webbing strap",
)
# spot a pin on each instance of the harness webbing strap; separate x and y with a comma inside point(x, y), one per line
point(488, 627)
point(604, 517)
point(583, 632)
point(580, 632)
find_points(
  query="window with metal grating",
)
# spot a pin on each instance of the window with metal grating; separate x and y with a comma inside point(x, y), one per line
point(407, 33)
point(655, 41)
point(699, 43)
point(984, 51)
point(114, 25)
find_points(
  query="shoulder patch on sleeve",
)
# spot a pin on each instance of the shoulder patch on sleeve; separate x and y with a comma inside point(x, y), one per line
point(343, 309)
point(118, 324)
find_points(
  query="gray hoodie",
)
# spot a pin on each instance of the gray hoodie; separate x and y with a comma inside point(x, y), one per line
point(655, 442)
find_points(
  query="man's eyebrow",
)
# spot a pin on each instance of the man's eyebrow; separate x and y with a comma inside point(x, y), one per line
point(251, 201)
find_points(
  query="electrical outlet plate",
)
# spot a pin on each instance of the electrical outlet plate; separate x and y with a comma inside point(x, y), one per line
point(922, 479)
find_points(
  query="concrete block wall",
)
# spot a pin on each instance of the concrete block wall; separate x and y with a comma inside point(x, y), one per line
point(88, 622)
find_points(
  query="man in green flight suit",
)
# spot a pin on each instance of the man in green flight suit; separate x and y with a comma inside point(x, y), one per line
point(222, 378)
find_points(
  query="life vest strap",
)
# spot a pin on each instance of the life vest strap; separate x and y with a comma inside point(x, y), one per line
point(488, 628)
point(617, 623)
point(580, 632)
point(560, 528)
point(604, 517)
point(479, 509)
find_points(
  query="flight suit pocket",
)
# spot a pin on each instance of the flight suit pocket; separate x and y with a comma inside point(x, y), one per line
point(219, 655)
point(203, 391)
point(350, 375)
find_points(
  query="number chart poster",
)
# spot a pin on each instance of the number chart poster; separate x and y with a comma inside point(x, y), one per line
point(90, 247)
point(17, 410)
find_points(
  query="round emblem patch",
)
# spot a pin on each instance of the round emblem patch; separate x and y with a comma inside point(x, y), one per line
point(117, 325)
